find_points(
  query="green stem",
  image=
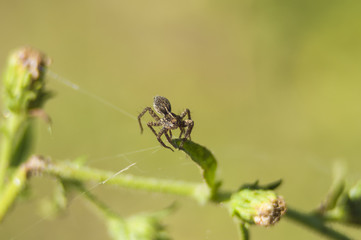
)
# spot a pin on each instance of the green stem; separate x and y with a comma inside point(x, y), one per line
point(199, 192)
point(11, 131)
point(315, 223)
point(99, 204)
point(12, 189)
point(114, 221)
point(23, 91)
point(244, 232)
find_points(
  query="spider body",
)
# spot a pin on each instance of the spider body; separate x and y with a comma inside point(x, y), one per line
point(169, 121)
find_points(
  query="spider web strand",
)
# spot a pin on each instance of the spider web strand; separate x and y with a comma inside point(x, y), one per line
point(76, 87)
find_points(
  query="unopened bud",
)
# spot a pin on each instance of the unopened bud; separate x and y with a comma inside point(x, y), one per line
point(32, 60)
point(270, 213)
point(24, 85)
point(260, 207)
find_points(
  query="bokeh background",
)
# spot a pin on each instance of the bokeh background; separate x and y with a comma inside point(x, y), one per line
point(273, 87)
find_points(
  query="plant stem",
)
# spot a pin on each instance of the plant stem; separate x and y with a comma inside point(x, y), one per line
point(99, 204)
point(244, 231)
point(11, 130)
point(199, 192)
point(117, 226)
point(23, 92)
point(12, 189)
point(315, 223)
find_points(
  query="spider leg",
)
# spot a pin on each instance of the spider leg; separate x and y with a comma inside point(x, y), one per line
point(182, 115)
point(151, 124)
point(169, 138)
point(181, 131)
point(189, 124)
point(161, 132)
point(151, 112)
point(185, 113)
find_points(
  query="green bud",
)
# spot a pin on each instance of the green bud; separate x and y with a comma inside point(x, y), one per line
point(348, 207)
point(353, 204)
point(260, 207)
point(23, 82)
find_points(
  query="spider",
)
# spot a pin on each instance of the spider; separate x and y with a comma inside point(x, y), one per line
point(170, 121)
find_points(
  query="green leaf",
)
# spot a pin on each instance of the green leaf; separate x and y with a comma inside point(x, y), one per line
point(255, 185)
point(203, 158)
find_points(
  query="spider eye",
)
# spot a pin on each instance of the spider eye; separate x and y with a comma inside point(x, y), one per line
point(162, 105)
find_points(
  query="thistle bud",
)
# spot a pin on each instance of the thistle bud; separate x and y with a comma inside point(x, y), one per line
point(260, 207)
point(23, 82)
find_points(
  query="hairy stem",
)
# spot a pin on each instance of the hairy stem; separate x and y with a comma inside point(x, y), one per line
point(12, 130)
point(244, 233)
point(196, 191)
point(99, 204)
point(315, 223)
point(12, 189)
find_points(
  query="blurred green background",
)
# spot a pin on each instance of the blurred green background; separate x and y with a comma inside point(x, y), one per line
point(273, 87)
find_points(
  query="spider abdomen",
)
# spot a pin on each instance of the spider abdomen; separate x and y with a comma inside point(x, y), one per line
point(162, 105)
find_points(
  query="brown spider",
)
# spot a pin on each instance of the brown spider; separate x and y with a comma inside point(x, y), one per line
point(169, 121)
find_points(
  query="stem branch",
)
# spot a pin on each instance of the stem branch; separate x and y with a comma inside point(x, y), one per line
point(315, 223)
point(12, 189)
point(196, 191)
point(243, 228)
point(11, 132)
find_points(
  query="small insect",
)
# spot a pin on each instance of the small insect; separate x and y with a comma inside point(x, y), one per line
point(170, 121)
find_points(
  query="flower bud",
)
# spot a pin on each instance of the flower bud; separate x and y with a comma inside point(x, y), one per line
point(260, 207)
point(24, 85)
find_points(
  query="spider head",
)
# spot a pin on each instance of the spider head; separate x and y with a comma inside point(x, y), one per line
point(162, 105)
